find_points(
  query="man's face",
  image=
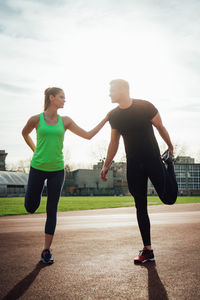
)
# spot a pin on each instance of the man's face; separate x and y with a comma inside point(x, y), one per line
point(114, 93)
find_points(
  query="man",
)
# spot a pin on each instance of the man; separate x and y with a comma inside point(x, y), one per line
point(133, 119)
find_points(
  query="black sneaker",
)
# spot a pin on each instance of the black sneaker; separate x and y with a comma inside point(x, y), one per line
point(144, 256)
point(166, 157)
point(46, 257)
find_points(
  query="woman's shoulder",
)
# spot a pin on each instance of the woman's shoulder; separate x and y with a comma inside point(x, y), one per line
point(66, 118)
point(35, 118)
point(66, 121)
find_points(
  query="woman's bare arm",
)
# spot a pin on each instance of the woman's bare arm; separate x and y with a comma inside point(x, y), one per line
point(28, 128)
point(73, 127)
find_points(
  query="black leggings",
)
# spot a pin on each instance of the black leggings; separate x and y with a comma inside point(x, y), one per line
point(35, 186)
point(163, 179)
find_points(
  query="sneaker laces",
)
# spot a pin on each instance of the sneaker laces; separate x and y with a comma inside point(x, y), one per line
point(47, 253)
point(143, 252)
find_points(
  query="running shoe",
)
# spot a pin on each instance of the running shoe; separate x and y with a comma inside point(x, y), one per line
point(166, 157)
point(144, 256)
point(46, 257)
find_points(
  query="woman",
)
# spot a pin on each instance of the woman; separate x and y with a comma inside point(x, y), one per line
point(47, 162)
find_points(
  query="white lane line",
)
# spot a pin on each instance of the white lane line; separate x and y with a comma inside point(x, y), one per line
point(100, 216)
point(97, 221)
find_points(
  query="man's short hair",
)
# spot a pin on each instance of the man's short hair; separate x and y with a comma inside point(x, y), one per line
point(120, 83)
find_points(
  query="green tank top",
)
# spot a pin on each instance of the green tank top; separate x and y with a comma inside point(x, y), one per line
point(48, 155)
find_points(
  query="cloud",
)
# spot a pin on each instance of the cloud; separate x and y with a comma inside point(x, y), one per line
point(191, 59)
point(7, 10)
point(82, 45)
point(24, 19)
point(14, 88)
point(190, 108)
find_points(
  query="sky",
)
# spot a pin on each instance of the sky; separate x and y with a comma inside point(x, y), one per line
point(81, 46)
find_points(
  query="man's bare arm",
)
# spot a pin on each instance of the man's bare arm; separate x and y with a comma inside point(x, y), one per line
point(112, 150)
point(157, 122)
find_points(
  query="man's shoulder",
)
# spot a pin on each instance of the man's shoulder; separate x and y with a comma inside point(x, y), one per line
point(114, 116)
point(145, 105)
point(114, 111)
point(142, 102)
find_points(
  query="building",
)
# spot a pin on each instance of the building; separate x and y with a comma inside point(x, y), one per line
point(86, 182)
point(120, 184)
point(13, 184)
point(3, 155)
point(188, 176)
point(115, 185)
point(184, 160)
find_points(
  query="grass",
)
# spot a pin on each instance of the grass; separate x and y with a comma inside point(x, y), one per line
point(15, 206)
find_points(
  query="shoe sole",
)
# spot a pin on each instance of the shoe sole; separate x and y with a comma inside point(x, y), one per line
point(167, 160)
point(137, 262)
point(165, 155)
point(50, 262)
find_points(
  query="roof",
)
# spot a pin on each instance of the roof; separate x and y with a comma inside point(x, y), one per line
point(13, 178)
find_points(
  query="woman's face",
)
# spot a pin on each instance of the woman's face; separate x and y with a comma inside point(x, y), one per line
point(59, 100)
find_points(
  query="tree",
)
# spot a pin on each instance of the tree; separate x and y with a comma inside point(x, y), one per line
point(198, 156)
point(67, 157)
point(180, 150)
point(99, 150)
point(19, 166)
